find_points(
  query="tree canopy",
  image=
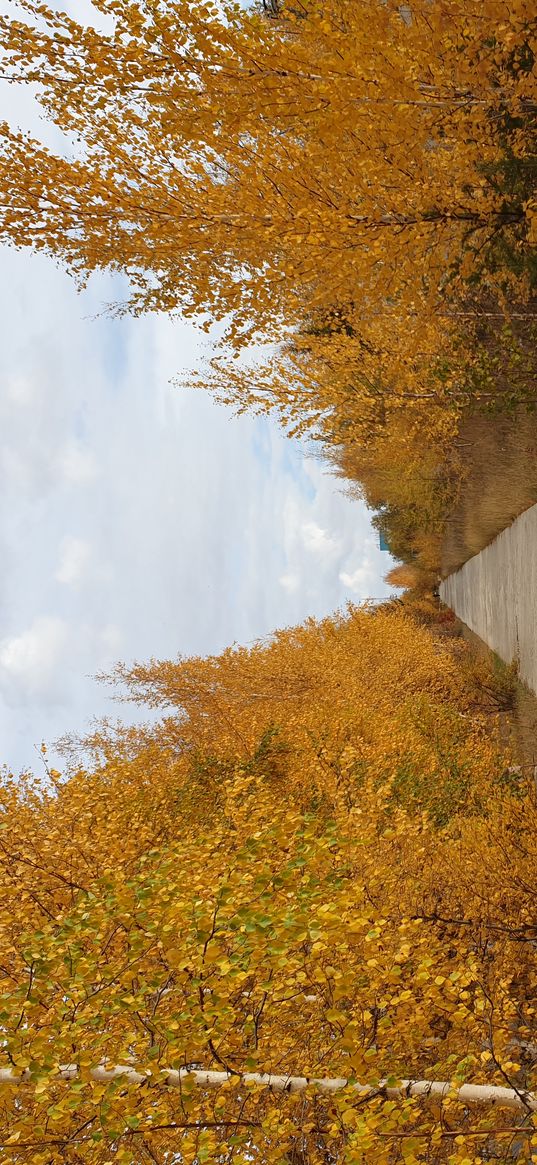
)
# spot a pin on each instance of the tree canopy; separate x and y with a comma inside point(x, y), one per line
point(252, 168)
point(315, 866)
point(350, 182)
point(321, 863)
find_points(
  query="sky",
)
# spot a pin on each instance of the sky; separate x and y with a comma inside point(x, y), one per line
point(139, 519)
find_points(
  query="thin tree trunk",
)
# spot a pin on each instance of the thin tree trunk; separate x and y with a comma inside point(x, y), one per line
point(471, 1094)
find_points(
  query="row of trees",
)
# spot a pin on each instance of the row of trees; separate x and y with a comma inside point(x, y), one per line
point(353, 183)
point(318, 866)
point(331, 161)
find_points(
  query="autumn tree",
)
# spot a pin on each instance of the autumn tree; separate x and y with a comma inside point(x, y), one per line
point(335, 179)
point(301, 874)
point(251, 168)
point(349, 182)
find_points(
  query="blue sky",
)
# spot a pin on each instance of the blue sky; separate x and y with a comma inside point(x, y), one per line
point(140, 519)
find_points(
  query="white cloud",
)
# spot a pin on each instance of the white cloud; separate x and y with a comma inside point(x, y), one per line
point(142, 518)
point(29, 662)
point(318, 541)
point(359, 578)
point(21, 390)
point(77, 464)
point(110, 641)
point(75, 557)
point(290, 582)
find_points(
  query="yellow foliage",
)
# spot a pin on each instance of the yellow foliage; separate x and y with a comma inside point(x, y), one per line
point(404, 576)
point(301, 870)
point(328, 180)
point(319, 862)
point(322, 173)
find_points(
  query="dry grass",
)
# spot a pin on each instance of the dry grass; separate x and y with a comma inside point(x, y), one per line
point(499, 461)
point(494, 686)
point(518, 719)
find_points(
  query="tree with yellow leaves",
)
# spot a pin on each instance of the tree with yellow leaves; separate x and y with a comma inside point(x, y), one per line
point(254, 168)
point(249, 933)
point(343, 180)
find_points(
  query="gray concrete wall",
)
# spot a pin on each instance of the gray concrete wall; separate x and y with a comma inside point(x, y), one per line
point(495, 594)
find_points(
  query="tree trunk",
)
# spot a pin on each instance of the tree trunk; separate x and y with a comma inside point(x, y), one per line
point(490, 1095)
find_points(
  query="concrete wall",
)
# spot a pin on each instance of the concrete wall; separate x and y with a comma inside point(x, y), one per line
point(495, 594)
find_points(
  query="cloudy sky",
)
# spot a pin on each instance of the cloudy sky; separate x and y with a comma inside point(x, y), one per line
point(139, 519)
